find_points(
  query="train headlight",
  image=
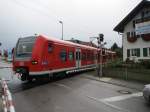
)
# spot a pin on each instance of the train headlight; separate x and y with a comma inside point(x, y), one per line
point(34, 62)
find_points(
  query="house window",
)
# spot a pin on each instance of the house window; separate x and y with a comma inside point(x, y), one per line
point(135, 52)
point(71, 55)
point(133, 34)
point(142, 14)
point(146, 52)
point(63, 55)
point(128, 34)
point(134, 24)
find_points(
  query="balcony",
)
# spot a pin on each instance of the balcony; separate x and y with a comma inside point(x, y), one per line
point(146, 37)
point(132, 39)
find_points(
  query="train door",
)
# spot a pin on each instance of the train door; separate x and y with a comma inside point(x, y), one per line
point(78, 57)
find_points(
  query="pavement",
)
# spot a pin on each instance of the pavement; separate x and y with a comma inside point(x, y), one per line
point(115, 81)
point(4, 64)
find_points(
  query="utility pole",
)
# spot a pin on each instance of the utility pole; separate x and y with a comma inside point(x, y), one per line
point(61, 22)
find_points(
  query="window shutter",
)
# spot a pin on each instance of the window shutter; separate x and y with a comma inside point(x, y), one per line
point(145, 52)
point(138, 52)
point(128, 52)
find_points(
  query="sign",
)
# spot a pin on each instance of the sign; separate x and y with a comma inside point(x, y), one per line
point(142, 28)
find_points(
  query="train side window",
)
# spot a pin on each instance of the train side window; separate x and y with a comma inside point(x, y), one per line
point(83, 56)
point(88, 56)
point(63, 55)
point(50, 47)
point(71, 55)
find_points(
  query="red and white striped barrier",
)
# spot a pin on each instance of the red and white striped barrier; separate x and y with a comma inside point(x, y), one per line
point(7, 102)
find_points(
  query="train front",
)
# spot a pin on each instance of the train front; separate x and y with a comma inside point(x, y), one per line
point(22, 57)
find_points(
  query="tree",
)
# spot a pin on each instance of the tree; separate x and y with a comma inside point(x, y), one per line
point(117, 49)
point(114, 46)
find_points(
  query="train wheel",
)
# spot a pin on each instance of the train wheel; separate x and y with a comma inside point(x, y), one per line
point(22, 76)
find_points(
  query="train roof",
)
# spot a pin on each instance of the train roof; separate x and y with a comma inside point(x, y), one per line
point(109, 51)
point(66, 42)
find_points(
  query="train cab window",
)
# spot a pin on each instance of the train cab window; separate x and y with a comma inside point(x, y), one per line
point(63, 55)
point(50, 48)
point(71, 55)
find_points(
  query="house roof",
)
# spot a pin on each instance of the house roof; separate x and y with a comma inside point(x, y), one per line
point(131, 15)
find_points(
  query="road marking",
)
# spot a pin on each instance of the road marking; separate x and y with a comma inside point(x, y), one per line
point(123, 97)
point(62, 85)
point(108, 104)
point(116, 98)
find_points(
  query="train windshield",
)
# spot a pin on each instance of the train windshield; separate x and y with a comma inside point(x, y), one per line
point(24, 47)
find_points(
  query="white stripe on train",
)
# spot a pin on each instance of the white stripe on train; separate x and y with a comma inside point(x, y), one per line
point(68, 70)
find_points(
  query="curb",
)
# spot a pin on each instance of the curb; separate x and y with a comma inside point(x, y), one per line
point(113, 83)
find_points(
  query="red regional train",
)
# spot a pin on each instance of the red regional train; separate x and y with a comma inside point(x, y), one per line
point(41, 56)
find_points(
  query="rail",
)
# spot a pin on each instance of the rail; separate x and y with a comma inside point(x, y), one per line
point(7, 102)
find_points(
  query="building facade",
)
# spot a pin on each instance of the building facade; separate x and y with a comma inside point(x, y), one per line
point(135, 31)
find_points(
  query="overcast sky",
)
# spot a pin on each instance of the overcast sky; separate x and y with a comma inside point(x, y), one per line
point(82, 19)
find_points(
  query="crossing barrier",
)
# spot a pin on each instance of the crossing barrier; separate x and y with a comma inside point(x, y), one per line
point(7, 102)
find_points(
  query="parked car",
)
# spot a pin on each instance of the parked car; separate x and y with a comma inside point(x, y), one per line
point(146, 92)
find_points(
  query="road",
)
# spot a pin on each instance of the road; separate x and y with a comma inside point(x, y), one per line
point(73, 94)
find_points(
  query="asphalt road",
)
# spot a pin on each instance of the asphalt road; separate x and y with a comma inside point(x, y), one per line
point(73, 94)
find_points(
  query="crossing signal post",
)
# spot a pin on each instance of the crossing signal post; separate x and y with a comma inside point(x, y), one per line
point(100, 39)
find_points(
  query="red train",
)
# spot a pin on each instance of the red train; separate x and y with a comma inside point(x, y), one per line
point(40, 56)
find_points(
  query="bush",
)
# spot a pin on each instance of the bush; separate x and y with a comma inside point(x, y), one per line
point(146, 63)
point(116, 63)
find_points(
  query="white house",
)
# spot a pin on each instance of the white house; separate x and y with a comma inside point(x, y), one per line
point(135, 30)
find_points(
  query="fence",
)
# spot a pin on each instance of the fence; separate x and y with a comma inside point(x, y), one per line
point(7, 102)
point(142, 75)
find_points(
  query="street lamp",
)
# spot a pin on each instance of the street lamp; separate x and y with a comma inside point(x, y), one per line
point(62, 28)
